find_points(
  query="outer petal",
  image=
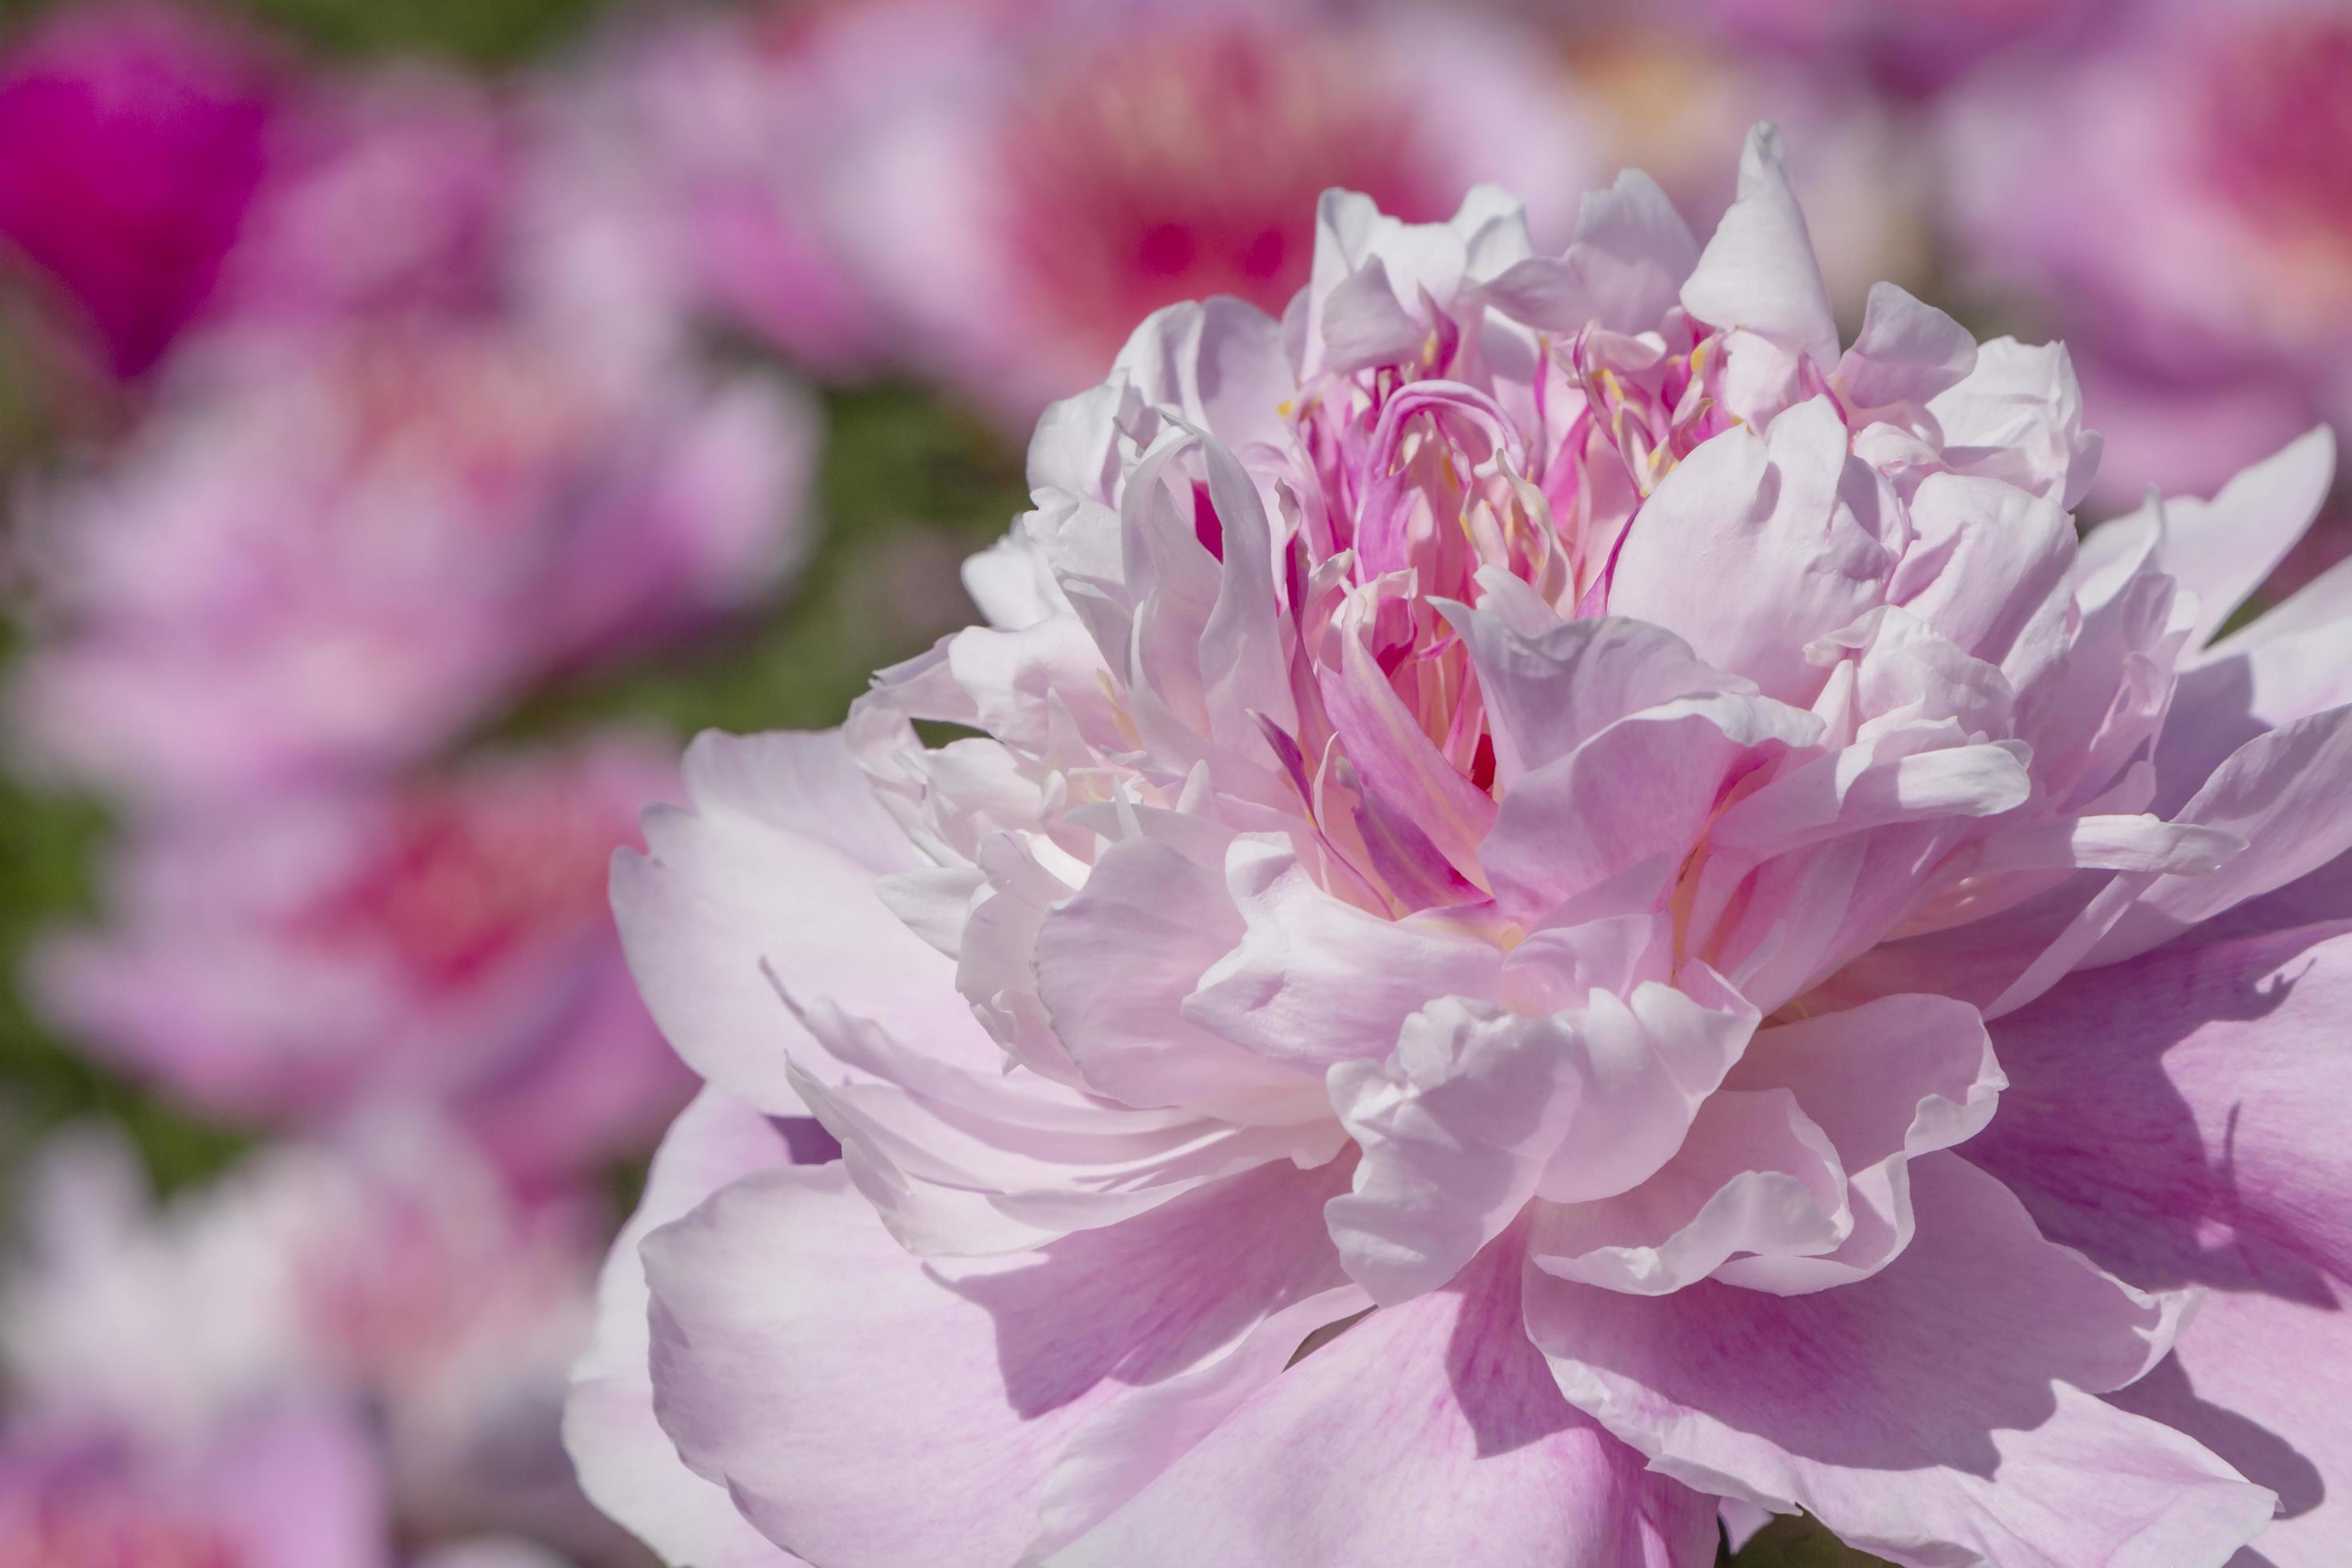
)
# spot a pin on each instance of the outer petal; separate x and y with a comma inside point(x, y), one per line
point(871, 1410)
point(776, 865)
point(2221, 549)
point(2282, 793)
point(627, 1464)
point(1926, 1414)
point(2180, 1119)
point(1424, 1432)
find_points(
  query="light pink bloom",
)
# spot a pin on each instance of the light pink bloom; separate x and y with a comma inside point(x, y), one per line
point(718, 136)
point(331, 551)
point(389, 191)
point(132, 138)
point(384, 1273)
point(443, 941)
point(1023, 181)
point(292, 1488)
point(1448, 1001)
point(2181, 205)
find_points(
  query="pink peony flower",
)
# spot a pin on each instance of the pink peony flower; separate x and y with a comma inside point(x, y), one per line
point(1520, 827)
point(390, 191)
point(443, 941)
point(383, 1274)
point(717, 138)
point(2181, 205)
point(331, 551)
point(132, 138)
point(294, 1488)
point(1021, 181)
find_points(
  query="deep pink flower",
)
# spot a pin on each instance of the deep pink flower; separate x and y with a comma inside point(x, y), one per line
point(2181, 204)
point(331, 549)
point(1524, 822)
point(132, 138)
point(443, 941)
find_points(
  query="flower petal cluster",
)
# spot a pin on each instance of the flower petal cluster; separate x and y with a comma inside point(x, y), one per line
point(1507, 823)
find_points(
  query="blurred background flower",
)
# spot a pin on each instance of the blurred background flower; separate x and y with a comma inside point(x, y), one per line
point(416, 419)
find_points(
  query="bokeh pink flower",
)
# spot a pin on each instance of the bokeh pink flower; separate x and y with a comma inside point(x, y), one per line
point(338, 1335)
point(334, 551)
point(2177, 205)
point(1522, 824)
point(441, 941)
point(1013, 185)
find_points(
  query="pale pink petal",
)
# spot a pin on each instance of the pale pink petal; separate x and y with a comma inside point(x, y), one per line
point(776, 866)
point(875, 1411)
point(1758, 273)
point(1479, 1110)
point(1932, 1415)
point(1549, 692)
point(2018, 417)
point(1753, 1175)
point(1314, 980)
point(1623, 269)
point(627, 1464)
point(2180, 1119)
point(1114, 966)
point(1750, 550)
point(2221, 549)
point(1422, 1432)
point(1644, 785)
point(1906, 352)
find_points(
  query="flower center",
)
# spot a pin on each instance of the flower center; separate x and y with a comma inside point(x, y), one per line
point(1432, 493)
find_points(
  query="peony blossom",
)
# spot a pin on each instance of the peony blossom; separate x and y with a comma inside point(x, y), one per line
point(375, 1306)
point(2181, 200)
point(1020, 182)
point(292, 1488)
point(132, 140)
point(332, 550)
point(442, 940)
point(1562, 900)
